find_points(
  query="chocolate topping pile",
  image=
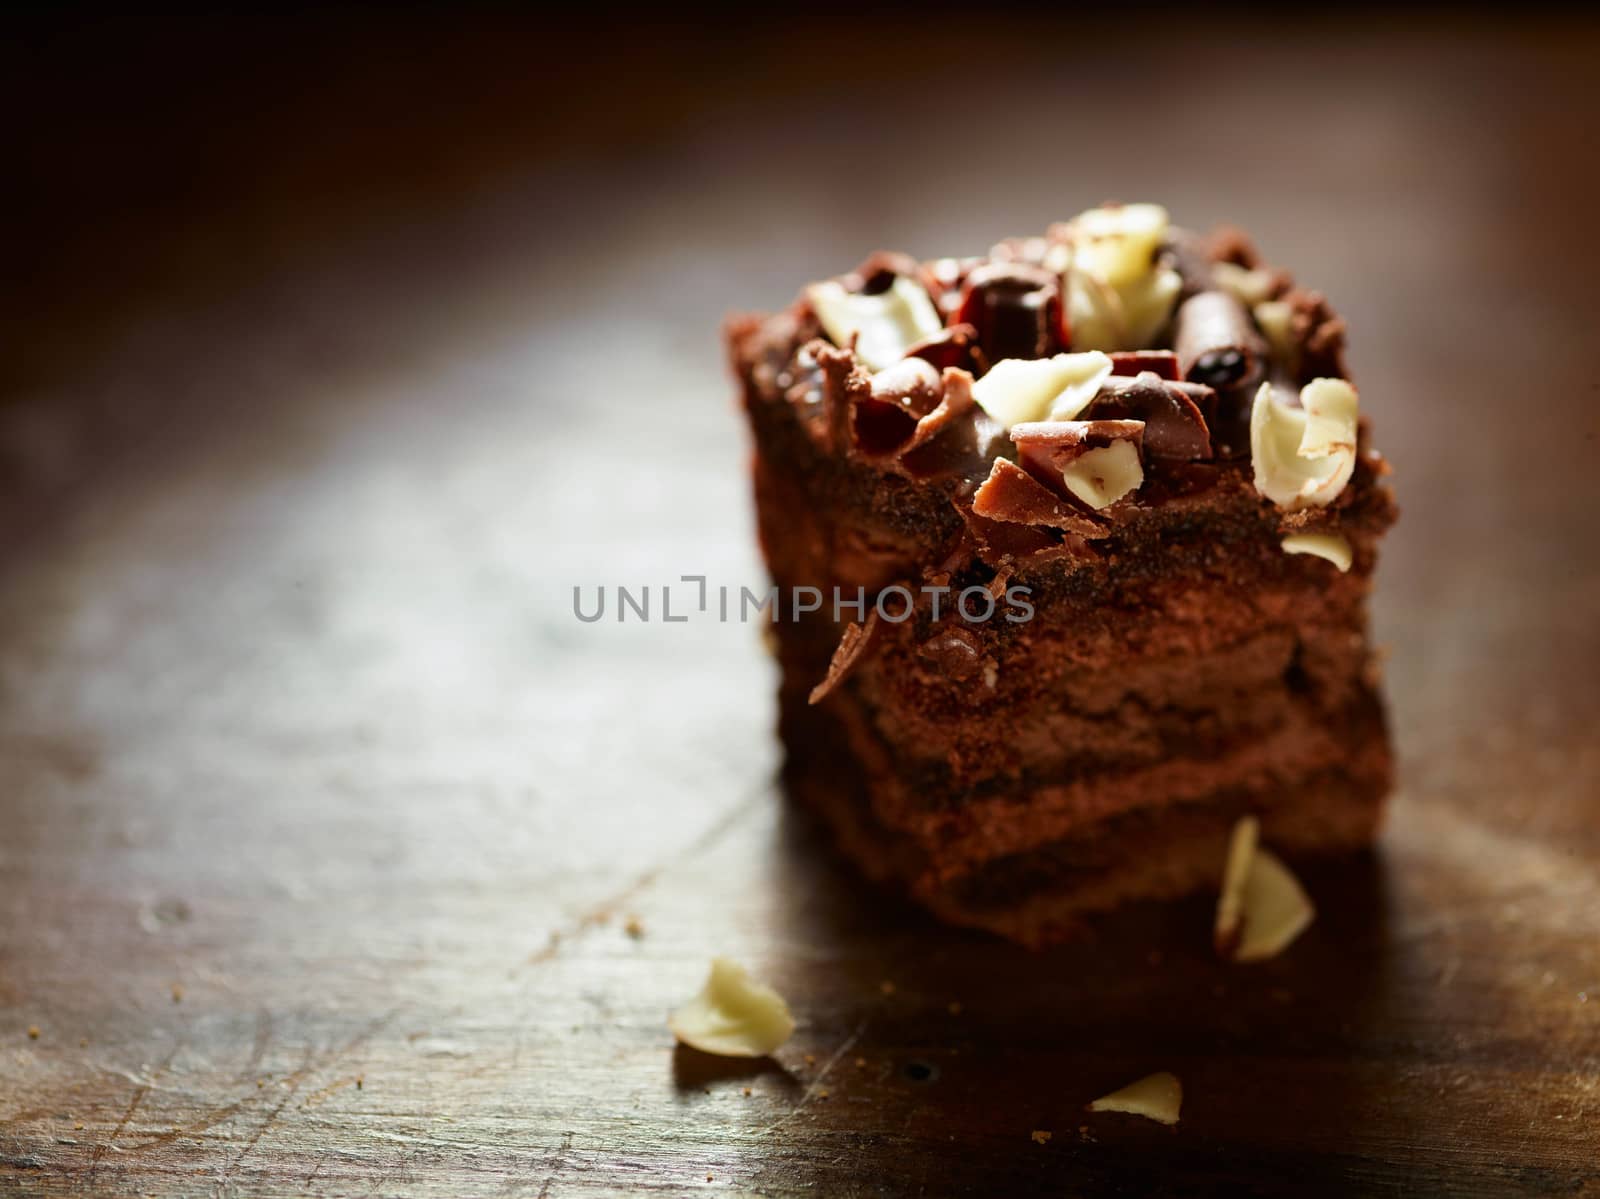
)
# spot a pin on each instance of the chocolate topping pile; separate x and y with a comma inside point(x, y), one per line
point(1056, 376)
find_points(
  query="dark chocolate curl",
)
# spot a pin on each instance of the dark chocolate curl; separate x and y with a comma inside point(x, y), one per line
point(885, 420)
point(1163, 363)
point(1175, 425)
point(912, 384)
point(1016, 309)
point(1217, 343)
point(956, 347)
point(877, 274)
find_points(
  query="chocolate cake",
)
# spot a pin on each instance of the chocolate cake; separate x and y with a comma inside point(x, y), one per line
point(1071, 545)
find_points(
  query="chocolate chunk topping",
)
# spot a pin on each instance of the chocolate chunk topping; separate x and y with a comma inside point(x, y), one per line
point(1318, 334)
point(1012, 494)
point(1016, 309)
point(1135, 362)
point(1188, 254)
point(1047, 449)
point(852, 646)
point(956, 347)
point(913, 385)
point(879, 428)
point(1216, 342)
point(1229, 243)
point(878, 282)
point(1000, 542)
point(1174, 424)
point(877, 274)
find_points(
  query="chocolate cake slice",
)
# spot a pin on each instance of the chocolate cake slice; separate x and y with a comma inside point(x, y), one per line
point(1071, 545)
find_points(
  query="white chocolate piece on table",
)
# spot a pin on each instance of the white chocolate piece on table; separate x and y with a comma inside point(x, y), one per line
point(1157, 1097)
point(733, 1016)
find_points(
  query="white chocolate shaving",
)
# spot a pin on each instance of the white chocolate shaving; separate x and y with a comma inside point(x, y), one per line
point(733, 1016)
point(1118, 298)
point(1017, 389)
point(1276, 909)
point(884, 325)
point(1276, 321)
point(1100, 477)
point(1118, 243)
point(1156, 1097)
point(1331, 546)
point(1303, 457)
point(1262, 908)
point(1230, 904)
point(1248, 287)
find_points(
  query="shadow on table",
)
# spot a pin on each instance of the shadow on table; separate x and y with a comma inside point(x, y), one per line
point(695, 1071)
point(984, 1042)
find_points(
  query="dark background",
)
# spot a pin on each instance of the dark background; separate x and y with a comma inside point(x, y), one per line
point(339, 345)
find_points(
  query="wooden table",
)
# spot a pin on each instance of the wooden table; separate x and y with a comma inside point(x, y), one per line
point(338, 858)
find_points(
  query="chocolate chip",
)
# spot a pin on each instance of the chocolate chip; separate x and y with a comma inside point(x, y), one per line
point(956, 653)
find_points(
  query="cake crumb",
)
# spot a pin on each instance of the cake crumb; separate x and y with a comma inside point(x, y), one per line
point(811, 1059)
point(748, 1091)
point(822, 1092)
point(33, 1032)
point(1041, 1136)
point(83, 1042)
point(886, 987)
point(634, 927)
point(77, 1125)
point(709, 1177)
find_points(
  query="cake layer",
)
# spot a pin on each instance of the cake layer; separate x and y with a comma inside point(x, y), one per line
point(964, 828)
point(1042, 894)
